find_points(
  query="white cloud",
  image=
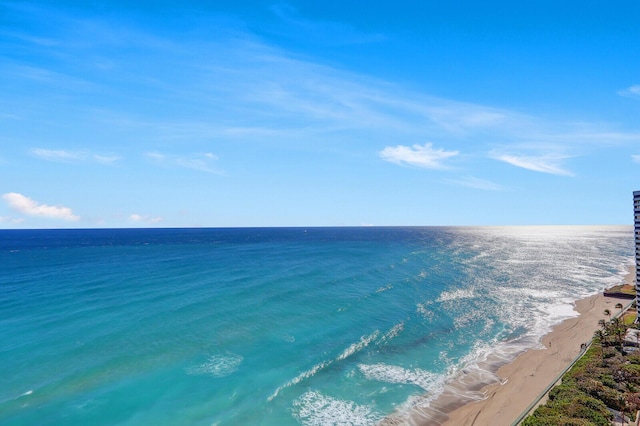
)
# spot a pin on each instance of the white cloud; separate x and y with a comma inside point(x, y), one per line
point(57, 154)
point(105, 159)
point(203, 162)
point(72, 156)
point(476, 183)
point(636, 158)
point(145, 218)
point(155, 156)
point(543, 164)
point(32, 208)
point(631, 92)
point(421, 156)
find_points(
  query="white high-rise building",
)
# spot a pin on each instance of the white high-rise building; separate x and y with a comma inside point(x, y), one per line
point(636, 231)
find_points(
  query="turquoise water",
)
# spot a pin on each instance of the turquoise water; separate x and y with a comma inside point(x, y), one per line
point(277, 326)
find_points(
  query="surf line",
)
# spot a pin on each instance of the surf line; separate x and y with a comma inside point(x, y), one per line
point(353, 348)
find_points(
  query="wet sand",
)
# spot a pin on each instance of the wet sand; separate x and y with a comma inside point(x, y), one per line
point(518, 383)
point(530, 373)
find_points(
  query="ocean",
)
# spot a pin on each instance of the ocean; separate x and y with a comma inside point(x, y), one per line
point(278, 326)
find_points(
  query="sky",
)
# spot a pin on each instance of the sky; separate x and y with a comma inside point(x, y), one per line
point(306, 113)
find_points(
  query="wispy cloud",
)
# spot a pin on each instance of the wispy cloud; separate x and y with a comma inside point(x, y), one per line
point(57, 154)
point(417, 155)
point(30, 207)
point(549, 163)
point(105, 159)
point(145, 218)
point(631, 92)
point(476, 183)
point(11, 220)
point(72, 156)
point(202, 162)
point(240, 87)
point(255, 89)
point(324, 32)
point(636, 158)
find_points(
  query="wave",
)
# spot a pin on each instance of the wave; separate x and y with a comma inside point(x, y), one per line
point(393, 374)
point(358, 346)
point(217, 365)
point(385, 288)
point(393, 332)
point(27, 393)
point(461, 293)
point(548, 301)
point(349, 351)
point(316, 409)
point(462, 384)
point(304, 375)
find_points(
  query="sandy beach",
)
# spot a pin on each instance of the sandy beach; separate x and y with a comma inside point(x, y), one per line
point(518, 382)
point(530, 373)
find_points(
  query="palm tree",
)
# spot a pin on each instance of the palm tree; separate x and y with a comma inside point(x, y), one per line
point(607, 312)
point(599, 335)
point(619, 306)
point(619, 329)
point(603, 334)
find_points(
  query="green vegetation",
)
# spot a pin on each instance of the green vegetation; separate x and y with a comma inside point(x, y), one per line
point(604, 377)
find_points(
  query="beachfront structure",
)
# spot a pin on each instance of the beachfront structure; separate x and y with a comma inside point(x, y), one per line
point(636, 231)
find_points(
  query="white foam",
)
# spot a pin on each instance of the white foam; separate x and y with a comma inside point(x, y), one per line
point(537, 294)
point(358, 346)
point(422, 309)
point(217, 365)
point(316, 409)
point(352, 349)
point(29, 392)
point(393, 332)
point(383, 289)
point(461, 293)
point(300, 377)
point(398, 375)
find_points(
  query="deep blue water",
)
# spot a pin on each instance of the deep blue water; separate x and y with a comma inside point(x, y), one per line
point(276, 326)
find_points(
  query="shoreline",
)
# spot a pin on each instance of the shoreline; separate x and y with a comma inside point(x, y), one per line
point(526, 377)
point(531, 372)
point(500, 397)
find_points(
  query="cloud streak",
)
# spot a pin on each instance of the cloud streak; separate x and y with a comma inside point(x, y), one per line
point(145, 218)
point(203, 162)
point(631, 92)
point(476, 183)
point(11, 220)
point(59, 155)
point(424, 156)
point(239, 86)
point(550, 164)
point(321, 32)
point(30, 207)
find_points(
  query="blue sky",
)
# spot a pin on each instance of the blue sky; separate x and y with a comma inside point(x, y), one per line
point(252, 113)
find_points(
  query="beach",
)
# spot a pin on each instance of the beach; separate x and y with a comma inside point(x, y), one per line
point(530, 373)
